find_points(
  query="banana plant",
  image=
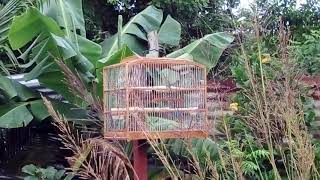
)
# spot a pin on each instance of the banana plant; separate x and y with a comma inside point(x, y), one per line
point(7, 12)
point(135, 33)
point(45, 37)
point(50, 36)
point(206, 50)
point(52, 39)
point(20, 105)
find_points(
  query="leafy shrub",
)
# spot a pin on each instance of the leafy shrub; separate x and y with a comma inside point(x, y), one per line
point(308, 52)
point(49, 173)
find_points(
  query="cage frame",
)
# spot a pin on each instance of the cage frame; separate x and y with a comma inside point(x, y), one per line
point(139, 135)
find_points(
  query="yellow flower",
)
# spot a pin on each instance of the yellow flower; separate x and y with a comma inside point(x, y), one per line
point(266, 59)
point(234, 106)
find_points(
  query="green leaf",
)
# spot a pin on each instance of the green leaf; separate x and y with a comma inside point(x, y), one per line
point(204, 149)
point(50, 172)
point(110, 45)
point(162, 123)
point(31, 178)
point(39, 110)
point(68, 50)
point(53, 42)
point(12, 88)
point(45, 65)
point(7, 87)
point(7, 12)
point(29, 25)
point(206, 50)
point(15, 115)
point(29, 169)
point(55, 81)
point(124, 52)
point(65, 47)
point(249, 167)
point(170, 32)
point(70, 111)
point(69, 176)
point(89, 49)
point(149, 20)
point(59, 174)
point(121, 54)
point(68, 14)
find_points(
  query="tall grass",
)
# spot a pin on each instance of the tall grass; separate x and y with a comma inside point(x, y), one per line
point(92, 156)
point(267, 138)
point(272, 115)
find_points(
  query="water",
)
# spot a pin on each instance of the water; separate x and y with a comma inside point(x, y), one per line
point(39, 147)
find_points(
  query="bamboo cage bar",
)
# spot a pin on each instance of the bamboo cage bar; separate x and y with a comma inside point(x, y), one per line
point(155, 98)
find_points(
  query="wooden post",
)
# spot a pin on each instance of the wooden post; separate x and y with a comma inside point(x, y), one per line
point(140, 159)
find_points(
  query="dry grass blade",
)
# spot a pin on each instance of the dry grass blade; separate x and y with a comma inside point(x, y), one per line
point(77, 86)
point(92, 158)
point(105, 162)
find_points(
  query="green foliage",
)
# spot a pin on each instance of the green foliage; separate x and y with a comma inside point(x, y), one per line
point(308, 52)
point(51, 43)
point(298, 20)
point(19, 106)
point(43, 36)
point(199, 17)
point(249, 167)
point(37, 173)
point(190, 4)
point(309, 111)
point(250, 156)
point(49, 37)
point(7, 12)
point(266, 69)
point(15, 102)
point(134, 33)
point(258, 154)
point(21, 33)
point(206, 50)
point(68, 14)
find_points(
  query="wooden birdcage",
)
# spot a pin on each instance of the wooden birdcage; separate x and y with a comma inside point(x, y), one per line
point(155, 98)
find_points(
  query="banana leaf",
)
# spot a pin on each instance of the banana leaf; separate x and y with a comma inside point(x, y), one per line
point(68, 14)
point(20, 105)
point(206, 50)
point(78, 52)
point(146, 21)
point(7, 12)
point(29, 25)
point(12, 89)
point(170, 32)
point(134, 33)
point(15, 115)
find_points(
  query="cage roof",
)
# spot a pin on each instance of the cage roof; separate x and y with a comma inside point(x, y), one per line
point(156, 60)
